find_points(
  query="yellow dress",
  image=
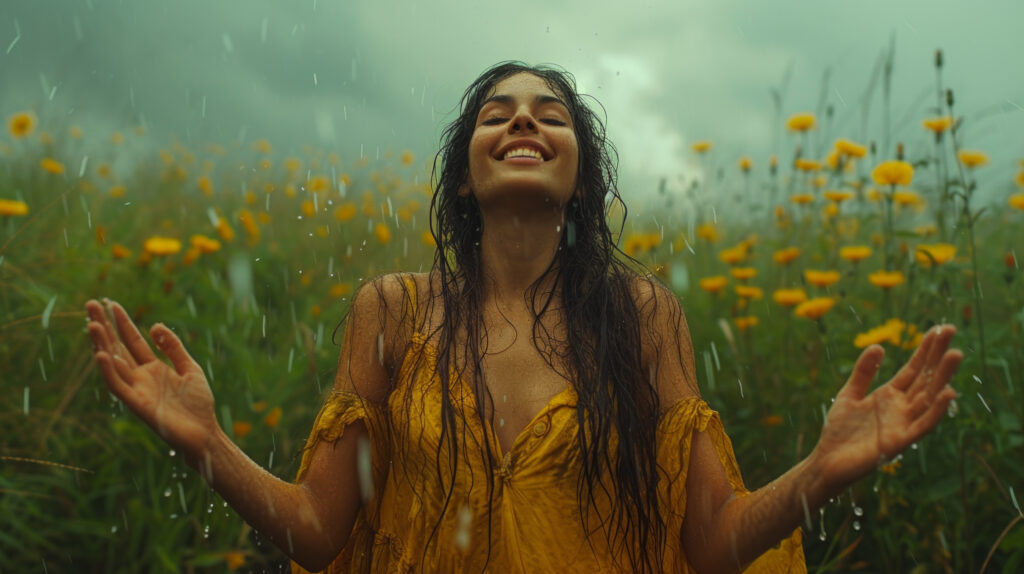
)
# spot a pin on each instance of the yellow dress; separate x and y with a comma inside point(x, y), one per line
point(535, 524)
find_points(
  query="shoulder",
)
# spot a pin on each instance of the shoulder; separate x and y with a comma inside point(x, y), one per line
point(653, 298)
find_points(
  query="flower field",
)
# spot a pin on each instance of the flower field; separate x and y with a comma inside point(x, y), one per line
point(787, 266)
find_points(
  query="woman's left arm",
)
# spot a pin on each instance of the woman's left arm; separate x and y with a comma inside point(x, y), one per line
point(723, 533)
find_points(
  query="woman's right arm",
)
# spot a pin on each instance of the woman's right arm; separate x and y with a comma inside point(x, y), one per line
point(310, 521)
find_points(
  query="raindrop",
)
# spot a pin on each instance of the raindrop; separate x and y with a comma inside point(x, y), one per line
point(914, 446)
point(167, 493)
point(25, 402)
point(501, 423)
point(462, 532)
point(856, 525)
point(952, 409)
point(858, 511)
point(113, 529)
point(172, 453)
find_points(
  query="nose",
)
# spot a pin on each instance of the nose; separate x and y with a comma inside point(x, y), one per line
point(522, 120)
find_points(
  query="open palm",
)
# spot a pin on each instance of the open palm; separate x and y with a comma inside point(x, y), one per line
point(864, 430)
point(175, 401)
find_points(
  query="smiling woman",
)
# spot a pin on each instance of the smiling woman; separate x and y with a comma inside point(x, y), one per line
point(531, 403)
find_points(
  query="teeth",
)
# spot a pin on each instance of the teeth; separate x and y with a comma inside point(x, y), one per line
point(524, 152)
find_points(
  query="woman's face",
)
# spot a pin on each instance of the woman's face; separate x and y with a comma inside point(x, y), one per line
point(524, 147)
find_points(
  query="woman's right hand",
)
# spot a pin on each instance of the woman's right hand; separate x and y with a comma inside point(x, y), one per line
point(175, 401)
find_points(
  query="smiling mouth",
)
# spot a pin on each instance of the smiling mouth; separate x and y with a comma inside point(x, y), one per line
point(523, 153)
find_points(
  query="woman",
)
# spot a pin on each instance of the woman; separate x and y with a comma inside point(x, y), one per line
point(531, 404)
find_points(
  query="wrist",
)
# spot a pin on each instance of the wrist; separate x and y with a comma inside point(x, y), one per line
point(212, 446)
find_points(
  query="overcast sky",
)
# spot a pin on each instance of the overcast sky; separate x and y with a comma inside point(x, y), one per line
point(386, 74)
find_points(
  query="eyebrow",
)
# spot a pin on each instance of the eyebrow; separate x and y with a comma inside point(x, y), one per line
point(540, 99)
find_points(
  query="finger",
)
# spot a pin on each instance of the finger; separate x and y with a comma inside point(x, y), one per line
point(115, 383)
point(116, 347)
point(926, 380)
point(98, 335)
point(864, 372)
point(171, 345)
point(933, 415)
point(906, 375)
point(133, 340)
point(124, 370)
point(935, 382)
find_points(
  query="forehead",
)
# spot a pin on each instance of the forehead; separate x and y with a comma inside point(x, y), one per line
point(522, 84)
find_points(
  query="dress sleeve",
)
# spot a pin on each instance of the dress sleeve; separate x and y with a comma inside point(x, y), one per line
point(675, 435)
point(341, 410)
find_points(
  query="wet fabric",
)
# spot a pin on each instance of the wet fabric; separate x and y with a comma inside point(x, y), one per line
point(535, 524)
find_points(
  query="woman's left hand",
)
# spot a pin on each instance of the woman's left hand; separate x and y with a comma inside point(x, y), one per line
point(863, 431)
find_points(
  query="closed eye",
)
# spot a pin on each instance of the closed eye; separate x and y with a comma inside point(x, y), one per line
point(496, 121)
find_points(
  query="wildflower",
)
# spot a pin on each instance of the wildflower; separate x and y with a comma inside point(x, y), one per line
point(819, 182)
point(800, 122)
point(906, 198)
point(745, 164)
point(939, 253)
point(789, 297)
point(341, 290)
point(13, 207)
point(345, 211)
point(273, 417)
point(701, 146)
point(873, 195)
point(814, 308)
point(708, 232)
point(773, 163)
point(914, 338)
point(21, 124)
point(120, 251)
point(786, 256)
point(771, 420)
point(241, 428)
point(893, 173)
point(315, 310)
point(801, 198)
point(855, 253)
point(838, 196)
point(1016, 201)
point(1010, 260)
point(748, 292)
point(1019, 178)
point(821, 278)
point(234, 560)
point(51, 165)
point(117, 138)
point(807, 164)
point(191, 256)
point(714, 284)
point(891, 467)
point(733, 255)
point(972, 159)
point(383, 233)
point(886, 279)
point(428, 239)
point(937, 125)
point(224, 230)
point(206, 186)
point(292, 164)
point(75, 132)
point(890, 333)
point(743, 273)
point(308, 209)
point(925, 229)
point(408, 157)
point(744, 323)
point(157, 245)
point(262, 146)
point(317, 184)
point(832, 159)
point(204, 244)
point(849, 148)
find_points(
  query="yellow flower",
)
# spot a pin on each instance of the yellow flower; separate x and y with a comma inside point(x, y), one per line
point(317, 184)
point(831, 210)
point(1019, 178)
point(13, 207)
point(838, 196)
point(937, 125)
point(849, 148)
point(893, 173)
point(873, 195)
point(273, 417)
point(224, 230)
point(733, 255)
point(745, 164)
point(940, 253)
point(743, 273)
point(855, 253)
point(21, 124)
point(241, 428)
point(890, 468)
point(807, 164)
point(925, 229)
point(191, 256)
point(972, 158)
point(383, 233)
point(714, 284)
point(786, 256)
point(886, 279)
point(341, 290)
point(748, 292)
point(890, 332)
point(814, 308)
point(408, 157)
point(821, 278)
point(117, 138)
point(1017, 201)
point(262, 146)
point(75, 132)
point(771, 420)
point(428, 239)
point(707, 232)
point(345, 211)
point(292, 164)
point(907, 198)
point(701, 146)
point(206, 186)
point(205, 244)
point(234, 560)
point(308, 209)
point(157, 245)
point(832, 159)
point(801, 198)
point(120, 251)
point(744, 323)
point(51, 165)
point(789, 297)
point(800, 122)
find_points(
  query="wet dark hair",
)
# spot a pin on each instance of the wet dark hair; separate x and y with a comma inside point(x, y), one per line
point(602, 326)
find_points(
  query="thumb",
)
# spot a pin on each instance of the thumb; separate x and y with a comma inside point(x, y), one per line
point(864, 372)
point(171, 345)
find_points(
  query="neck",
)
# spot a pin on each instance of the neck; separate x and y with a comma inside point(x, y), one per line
point(516, 248)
